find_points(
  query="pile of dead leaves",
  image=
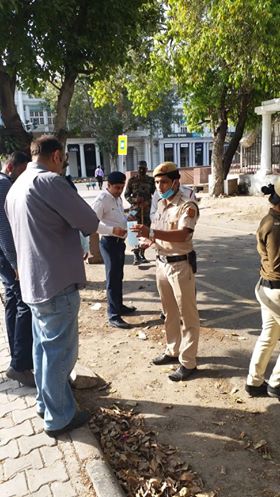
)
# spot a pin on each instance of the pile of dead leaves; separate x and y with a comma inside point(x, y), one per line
point(144, 467)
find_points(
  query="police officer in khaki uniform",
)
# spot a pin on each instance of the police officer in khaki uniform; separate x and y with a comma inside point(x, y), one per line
point(268, 295)
point(172, 232)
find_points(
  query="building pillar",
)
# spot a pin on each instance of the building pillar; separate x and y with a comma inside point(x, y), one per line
point(266, 144)
point(205, 153)
point(46, 123)
point(83, 162)
point(20, 106)
point(192, 155)
point(147, 152)
point(97, 155)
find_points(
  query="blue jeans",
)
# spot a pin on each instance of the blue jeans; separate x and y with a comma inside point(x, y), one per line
point(113, 252)
point(55, 351)
point(17, 318)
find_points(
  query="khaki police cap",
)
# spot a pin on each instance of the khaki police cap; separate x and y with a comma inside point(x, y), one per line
point(277, 186)
point(164, 168)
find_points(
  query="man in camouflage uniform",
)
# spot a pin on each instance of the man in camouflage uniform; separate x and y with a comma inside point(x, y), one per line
point(138, 193)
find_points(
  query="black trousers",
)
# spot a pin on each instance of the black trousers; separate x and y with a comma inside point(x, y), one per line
point(18, 319)
point(113, 252)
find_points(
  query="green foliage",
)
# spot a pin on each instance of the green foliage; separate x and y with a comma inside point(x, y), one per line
point(221, 51)
point(57, 40)
point(105, 122)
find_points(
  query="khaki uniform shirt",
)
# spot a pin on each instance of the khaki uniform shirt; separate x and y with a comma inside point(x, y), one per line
point(268, 245)
point(180, 213)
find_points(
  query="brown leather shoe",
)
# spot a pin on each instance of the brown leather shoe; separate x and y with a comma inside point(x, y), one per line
point(164, 359)
point(24, 377)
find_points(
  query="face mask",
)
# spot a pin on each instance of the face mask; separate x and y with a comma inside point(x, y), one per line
point(167, 194)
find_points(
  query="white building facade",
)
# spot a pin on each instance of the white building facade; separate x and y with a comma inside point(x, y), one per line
point(183, 148)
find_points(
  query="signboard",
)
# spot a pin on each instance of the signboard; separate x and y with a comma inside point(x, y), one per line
point(122, 145)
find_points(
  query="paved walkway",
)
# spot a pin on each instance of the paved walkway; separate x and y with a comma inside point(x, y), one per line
point(31, 463)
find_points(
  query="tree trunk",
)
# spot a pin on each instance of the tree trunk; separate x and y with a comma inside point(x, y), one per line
point(63, 104)
point(14, 136)
point(217, 184)
point(239, 130)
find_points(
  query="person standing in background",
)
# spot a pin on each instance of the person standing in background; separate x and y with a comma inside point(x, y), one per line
point(113, 226)
point(17, 314)
point(99, 175)
point(138, 193)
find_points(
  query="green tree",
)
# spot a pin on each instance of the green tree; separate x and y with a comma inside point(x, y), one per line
point(223, 57)
point(58, 40)
point(112, 118)
point(16, 58)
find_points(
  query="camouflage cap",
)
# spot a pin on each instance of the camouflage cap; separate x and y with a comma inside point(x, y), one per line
point(166, 169)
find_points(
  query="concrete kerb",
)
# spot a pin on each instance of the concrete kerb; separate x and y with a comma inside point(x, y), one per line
point(103, 479)
point(99, 472)
point(86, 447)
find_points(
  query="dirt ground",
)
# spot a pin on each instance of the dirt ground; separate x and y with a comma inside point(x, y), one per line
point(229, 439)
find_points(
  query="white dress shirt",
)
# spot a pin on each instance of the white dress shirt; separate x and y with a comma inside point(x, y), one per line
point(110, 212)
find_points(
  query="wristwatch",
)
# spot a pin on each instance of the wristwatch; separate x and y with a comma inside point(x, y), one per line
point(152, 235)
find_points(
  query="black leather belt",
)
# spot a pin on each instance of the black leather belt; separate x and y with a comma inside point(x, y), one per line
point(172, 258)
point(270, 284)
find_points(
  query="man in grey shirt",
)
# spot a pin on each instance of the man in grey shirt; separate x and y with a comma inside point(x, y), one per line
point(46, 215)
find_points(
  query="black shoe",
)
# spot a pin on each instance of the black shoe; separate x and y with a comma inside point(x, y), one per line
point(80, 418)
point(24, 377)
point(273, 391)
point(260, 391)
point(181, 374)
point(119, 323)
point(41, 414)
point(164, 359)
point(126, 310)
point(162, 316)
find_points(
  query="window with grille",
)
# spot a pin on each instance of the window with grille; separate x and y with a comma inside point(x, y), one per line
point(36, 117)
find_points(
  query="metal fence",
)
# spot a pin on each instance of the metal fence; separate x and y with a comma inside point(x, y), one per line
point(250, 157)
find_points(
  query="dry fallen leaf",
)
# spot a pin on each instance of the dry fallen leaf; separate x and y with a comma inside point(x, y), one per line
point(143, 466)
point(260, 444)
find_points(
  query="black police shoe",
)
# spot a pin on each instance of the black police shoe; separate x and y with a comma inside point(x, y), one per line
point(181, 374)
point(80, 418)
point(118, 322)
point(126, 310)
point(164, 359)
point(273, 391)
point(260, 391)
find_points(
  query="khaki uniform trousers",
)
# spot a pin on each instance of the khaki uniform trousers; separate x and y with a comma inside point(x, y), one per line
point(176, 286)
point(268, 339)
